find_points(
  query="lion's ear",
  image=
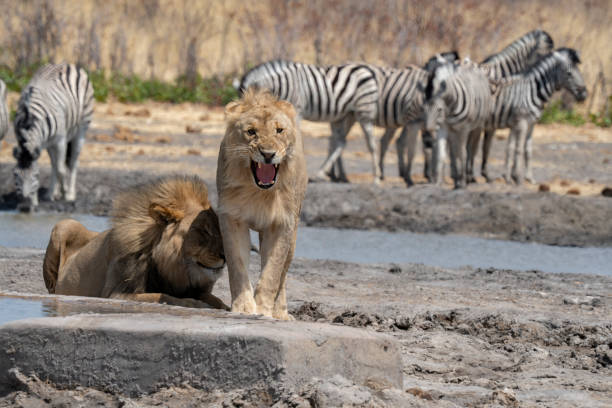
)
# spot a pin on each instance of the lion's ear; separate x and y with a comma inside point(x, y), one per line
point(287, 108)
point(165, 215)
point(233, 108)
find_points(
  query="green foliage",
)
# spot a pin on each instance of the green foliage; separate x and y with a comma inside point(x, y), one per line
point(132, 88)
point(554, 113)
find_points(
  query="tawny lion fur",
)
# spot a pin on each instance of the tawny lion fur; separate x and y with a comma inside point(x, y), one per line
point(164, 246)
point(260, 123)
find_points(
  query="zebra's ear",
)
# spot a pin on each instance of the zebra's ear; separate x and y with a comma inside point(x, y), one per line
point(287, 108)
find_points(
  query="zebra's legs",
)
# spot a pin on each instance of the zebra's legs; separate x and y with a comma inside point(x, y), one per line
point(439, 156)
point(57, 154)
point(72, 162)
point(458, 153)
point(427, 155)
point(384, 145)
point(510, 146)
point(528, 152)
point(368, 130)
point(472, 149)
point(486, 149)
point(409, 134)
point(517, 169)
point(337, 143)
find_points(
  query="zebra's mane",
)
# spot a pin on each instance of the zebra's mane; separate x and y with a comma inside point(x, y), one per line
point(514, 48)
point(545, 67)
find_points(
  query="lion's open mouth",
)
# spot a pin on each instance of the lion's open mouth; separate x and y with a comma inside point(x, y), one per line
point(264, 174)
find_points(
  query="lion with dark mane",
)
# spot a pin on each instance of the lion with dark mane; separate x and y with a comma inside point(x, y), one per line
point(164, 246)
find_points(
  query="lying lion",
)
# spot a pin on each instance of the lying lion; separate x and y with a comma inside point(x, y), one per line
point(165, 246)
point(261, 179)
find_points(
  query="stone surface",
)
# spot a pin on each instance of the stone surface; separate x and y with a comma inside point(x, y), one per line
point(138, 353)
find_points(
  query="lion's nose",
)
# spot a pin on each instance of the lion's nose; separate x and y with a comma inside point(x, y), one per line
point(268, 155)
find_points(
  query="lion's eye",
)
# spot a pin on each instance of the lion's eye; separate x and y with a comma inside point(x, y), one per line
point(279, 130)
point(252, 132)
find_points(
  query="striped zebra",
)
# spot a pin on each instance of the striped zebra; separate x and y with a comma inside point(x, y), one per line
point(519, 101)
point(4, 116)
point(515, 58)
point(401, 105)
point(339, 94)
point(457, 103)
point(519, 55)
point(53, 113)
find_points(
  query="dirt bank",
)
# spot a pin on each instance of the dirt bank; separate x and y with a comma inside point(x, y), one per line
point(470, 337)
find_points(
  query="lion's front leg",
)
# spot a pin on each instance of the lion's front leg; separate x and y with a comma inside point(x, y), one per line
point(277, 245)
point(237, 247)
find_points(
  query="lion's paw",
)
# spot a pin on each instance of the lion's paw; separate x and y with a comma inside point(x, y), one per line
point(244, 304)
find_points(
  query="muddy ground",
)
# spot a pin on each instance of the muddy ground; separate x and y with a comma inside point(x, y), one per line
point(131, 144)
point(469, 337)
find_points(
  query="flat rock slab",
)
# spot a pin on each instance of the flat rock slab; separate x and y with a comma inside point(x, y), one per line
point(136, 353)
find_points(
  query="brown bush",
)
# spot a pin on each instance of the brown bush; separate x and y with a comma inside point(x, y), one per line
point(193, 152)
point(139, 113)
point(564, 183)
point(125, 134)
point(193, 129)
point(163, 140)
point(544, 188)
point(573, 191)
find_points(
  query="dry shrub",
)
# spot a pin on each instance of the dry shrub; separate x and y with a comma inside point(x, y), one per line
point(606, 192)
point(564, 183)
point(204, 117)
point(193, 129)
point(109, 149)
point(125, 134)
point(544, 188)
point(163, 140)
point(168, 38)
point(103, 137)
point(573, 191)
point(140, 152)
point(193, 152)
point(139, 113)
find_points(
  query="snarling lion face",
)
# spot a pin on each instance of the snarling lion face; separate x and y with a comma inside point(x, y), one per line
point(262, 135)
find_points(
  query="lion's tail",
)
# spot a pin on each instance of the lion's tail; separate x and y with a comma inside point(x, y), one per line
point(67, 237)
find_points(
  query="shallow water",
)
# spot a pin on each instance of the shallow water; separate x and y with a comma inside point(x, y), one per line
point(16, 309)
point(452, 251)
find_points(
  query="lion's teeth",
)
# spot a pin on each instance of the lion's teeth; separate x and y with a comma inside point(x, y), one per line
point(259, 165)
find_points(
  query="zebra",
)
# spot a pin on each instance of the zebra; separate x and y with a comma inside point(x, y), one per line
point(339, 94)
point(53, 113)
point(519, 101)
point(457, 102)
point(515, 58)
point(4, 116)
point(401, 104)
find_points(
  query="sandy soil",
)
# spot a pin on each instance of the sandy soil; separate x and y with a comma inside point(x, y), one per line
point(130, 144)
point(470, 337)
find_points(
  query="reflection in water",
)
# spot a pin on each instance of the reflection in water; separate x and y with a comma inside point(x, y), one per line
point(451, 251)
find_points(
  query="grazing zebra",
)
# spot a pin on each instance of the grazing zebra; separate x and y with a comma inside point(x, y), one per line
point(457, 102)
point(519, 101)
point(53, 113)
point(340, 94)
point(514, 59)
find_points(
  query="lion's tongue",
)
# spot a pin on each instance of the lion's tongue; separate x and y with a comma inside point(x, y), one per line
point(265, 173)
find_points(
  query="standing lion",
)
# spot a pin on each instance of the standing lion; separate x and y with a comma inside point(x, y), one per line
point(165, 246)
point(261, 180)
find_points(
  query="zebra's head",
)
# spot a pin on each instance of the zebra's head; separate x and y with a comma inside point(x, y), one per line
point(435, 105)
point(25, 176)
point(544, 44)
point(570, 75)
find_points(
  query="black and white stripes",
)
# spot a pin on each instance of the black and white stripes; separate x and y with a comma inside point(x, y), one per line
point(54, 112)
point(340, 94)
point(520, 99)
